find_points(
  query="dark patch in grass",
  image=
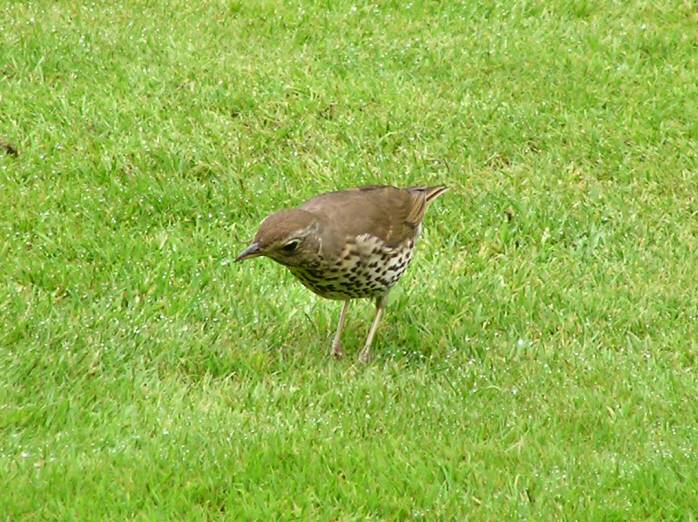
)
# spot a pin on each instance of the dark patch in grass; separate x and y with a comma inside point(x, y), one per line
point(9, 149)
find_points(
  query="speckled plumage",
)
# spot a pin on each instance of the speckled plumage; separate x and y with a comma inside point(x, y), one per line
point(366, 267)
point(349, 244)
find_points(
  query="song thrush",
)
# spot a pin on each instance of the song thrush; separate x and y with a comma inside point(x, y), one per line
point(347, 245)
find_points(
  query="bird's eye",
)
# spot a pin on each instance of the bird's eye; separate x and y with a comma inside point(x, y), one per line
point(291, 246)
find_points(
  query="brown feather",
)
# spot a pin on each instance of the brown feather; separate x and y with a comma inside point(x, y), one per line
point(382, 211)
point(391, 214)
point(422, 198)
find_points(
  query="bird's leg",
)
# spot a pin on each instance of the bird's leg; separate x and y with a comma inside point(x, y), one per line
point(365, 354)
point(337, 342)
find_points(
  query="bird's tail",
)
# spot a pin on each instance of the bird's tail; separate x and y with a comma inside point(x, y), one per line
point(422, 197)
point(434, 192)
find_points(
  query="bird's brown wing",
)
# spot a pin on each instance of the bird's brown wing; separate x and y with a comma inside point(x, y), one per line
point(388, 213)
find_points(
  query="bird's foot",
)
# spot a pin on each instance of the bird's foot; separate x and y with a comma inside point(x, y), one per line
point(365, 355)
point(336, 350)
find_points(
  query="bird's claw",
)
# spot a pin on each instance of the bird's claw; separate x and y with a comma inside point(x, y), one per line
point(337, 351)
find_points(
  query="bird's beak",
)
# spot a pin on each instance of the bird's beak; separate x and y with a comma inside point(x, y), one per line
point(251, 251)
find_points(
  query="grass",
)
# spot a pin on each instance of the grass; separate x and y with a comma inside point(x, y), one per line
point(537, 361)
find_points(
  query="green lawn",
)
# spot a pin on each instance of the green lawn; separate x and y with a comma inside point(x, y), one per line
point(538, 360)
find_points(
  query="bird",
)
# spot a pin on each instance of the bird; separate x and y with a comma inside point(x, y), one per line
point(348, 244)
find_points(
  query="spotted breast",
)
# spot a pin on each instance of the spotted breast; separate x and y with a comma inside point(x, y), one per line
point(367, 267)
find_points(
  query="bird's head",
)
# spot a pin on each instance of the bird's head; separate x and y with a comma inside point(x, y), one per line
point(290, 237)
